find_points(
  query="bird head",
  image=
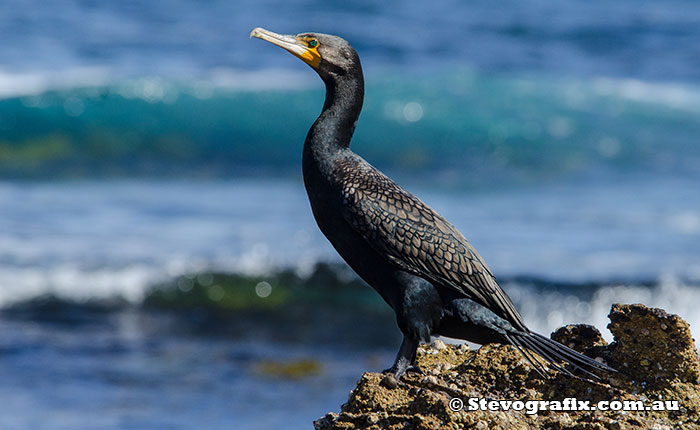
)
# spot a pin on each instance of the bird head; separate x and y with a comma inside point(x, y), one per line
point(327, 54)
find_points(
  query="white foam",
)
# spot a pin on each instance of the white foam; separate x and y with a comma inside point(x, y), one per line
point(545, 311)
point(670, 94)
point(83, 240)
point(152, 88)
point(266, 79)
point(31, 83)
point(73, 283)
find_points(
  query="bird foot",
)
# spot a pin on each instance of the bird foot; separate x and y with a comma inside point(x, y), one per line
point(415, 369)
point(392, 378)
point(398, 372)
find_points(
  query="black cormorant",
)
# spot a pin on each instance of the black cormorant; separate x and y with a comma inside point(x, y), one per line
point(431, 276)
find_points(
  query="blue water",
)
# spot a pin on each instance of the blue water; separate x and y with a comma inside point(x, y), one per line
point(644, 40)
point(140, 142)
point(101, 89)
point(128, 377)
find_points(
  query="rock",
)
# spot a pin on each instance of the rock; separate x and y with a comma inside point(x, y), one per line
point(580, 337)
point(652, 345)
point(653, 351)
point(390, 381)
point(439, 345)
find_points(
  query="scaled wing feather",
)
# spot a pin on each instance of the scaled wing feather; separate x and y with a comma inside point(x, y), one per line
point(417, 239)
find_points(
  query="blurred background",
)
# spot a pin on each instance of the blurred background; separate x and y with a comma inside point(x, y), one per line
point(159, 264)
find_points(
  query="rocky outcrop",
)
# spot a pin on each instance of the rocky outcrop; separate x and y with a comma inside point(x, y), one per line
point(653, 351)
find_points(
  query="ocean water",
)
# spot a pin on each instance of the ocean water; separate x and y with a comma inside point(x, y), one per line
point(83, 240)
point(142, 142)
point(564, 252)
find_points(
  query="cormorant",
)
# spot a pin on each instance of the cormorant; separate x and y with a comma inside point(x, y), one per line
point(422, 266)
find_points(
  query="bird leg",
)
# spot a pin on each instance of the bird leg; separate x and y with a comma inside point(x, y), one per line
point(405, 359)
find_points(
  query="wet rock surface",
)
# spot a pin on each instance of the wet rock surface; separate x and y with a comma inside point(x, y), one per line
point(653, 351)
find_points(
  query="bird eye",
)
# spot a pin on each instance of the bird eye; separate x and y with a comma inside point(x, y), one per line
point(313, 43)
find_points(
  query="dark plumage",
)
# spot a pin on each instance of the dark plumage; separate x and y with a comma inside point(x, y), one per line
point(422, 266)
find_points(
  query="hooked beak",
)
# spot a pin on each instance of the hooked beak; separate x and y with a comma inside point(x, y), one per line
point(292, 44)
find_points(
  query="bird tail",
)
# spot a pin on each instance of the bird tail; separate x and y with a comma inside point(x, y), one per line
point(554, 353)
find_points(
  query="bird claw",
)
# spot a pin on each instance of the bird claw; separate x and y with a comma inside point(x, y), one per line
point(398, 373)
point(415, 369)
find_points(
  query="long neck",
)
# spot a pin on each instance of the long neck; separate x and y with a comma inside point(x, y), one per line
point(332, 131)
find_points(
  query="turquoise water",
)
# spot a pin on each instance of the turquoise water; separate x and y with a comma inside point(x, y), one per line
point(517, 91)
point(471, 128)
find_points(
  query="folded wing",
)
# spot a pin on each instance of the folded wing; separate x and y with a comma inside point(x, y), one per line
point(417, 239)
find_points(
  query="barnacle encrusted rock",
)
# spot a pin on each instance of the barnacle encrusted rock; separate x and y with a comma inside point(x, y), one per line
point(653, 351)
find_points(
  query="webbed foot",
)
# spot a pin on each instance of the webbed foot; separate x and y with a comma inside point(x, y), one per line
point(405, 359)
